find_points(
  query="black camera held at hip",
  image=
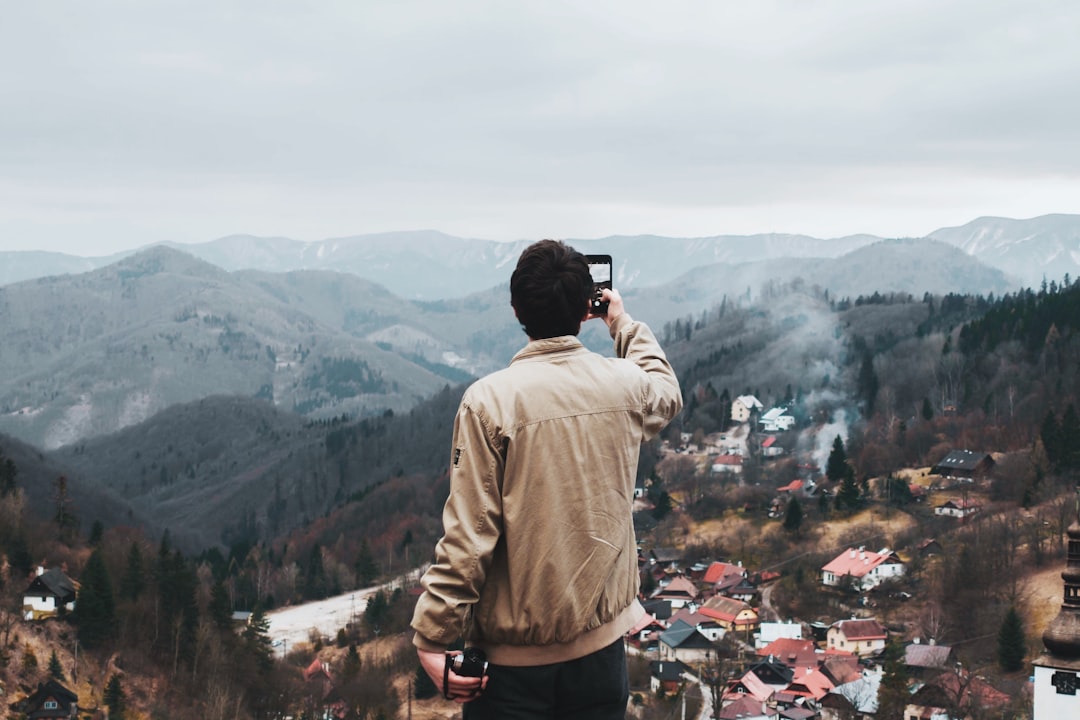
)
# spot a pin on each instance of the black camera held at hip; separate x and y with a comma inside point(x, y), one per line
point(470, 663)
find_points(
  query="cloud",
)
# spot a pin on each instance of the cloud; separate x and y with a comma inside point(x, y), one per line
point(187, 121)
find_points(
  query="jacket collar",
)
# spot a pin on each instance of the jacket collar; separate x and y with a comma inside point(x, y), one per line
point(548, 346)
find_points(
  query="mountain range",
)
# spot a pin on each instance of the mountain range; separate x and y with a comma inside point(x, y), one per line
point(429, 265)
point(87, 354)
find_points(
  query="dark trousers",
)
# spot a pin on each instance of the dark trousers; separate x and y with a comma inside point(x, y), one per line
point(594, 687)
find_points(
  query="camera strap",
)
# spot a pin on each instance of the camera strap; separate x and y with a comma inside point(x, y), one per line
point(446, 677)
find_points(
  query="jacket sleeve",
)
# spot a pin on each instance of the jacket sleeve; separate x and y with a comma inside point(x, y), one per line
point(472, 525)
point(663, 397)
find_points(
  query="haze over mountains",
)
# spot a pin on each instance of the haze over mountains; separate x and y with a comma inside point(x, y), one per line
point(87, 354)
point(430, 265)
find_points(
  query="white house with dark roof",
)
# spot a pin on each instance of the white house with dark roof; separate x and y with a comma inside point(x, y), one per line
point(49, 591)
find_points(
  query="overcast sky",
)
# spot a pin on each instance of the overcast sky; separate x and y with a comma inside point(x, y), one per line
point(129, 123)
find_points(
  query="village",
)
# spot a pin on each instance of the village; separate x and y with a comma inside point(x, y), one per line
point(712, 622)
point(709, 623)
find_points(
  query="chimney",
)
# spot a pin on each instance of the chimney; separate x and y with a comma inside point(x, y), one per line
point(40, 570)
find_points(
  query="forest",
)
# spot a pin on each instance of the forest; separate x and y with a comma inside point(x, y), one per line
point(897, 381)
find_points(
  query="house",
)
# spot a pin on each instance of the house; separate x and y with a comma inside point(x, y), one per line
point(792, 487)
point(951, 689)
point(744, 406)
point(958, 508)
point(49, 592)
point(666, 676)
point(50, 700)
point(858, 696)
point(863, 637)
point(964, 465)
point(863, 569)
point(777, 419)
point(809, 682)
point(321, 683)
point(720, 577)
point(679, 591)
point(646, 634)
point(667, 558)
point(682, 641)
point(731, 614)
point(926, 659)
point(727, 464)
point(746, 708)
point(704, 624)
point(770, 631)
point(769, 448)
point(791, 652)
point(930, 547)
point(762, 680)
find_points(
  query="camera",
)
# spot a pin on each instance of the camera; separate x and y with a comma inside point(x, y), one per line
point(600, 269)
point(470, 663)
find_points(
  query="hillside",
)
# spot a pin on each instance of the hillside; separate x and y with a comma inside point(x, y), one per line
point(88, 354)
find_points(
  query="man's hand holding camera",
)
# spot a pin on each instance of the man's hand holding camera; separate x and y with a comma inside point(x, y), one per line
point(443, 669)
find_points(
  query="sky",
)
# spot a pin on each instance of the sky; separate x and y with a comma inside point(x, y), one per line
point(124, 124)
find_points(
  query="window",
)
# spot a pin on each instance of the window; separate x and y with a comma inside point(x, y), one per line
point(50, 705)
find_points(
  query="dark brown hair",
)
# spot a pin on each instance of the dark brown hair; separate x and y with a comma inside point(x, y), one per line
point(550, 289)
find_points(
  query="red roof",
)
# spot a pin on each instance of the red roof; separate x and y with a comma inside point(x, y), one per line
point(791, 652)
point(768, 442)
point(717, 571)
point(858, 563)
point(791, 486)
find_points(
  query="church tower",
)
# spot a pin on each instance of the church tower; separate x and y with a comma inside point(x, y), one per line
point(1057, 671)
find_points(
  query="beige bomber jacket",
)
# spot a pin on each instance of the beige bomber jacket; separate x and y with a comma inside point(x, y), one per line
point(538, 560)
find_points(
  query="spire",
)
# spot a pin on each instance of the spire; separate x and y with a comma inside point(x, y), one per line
point(1062, 636)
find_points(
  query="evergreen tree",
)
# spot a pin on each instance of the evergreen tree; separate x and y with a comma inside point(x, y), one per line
point(220, 606)
point(133, 581)
point(927, 409)
point(1050, 433)
point(97, 531)
point(793, 516)
point(868, 383)
point(8, 471)
point(95, 612)
point(350, 666)
point(115, 698)
point(56, 670)
point(837, 465)
point(893, 695)
point(1012, 646)
point(376, 610)
point(366, 570)
point(256, 638)
point(29, 659)
point(1070, 438)
point(839, 470)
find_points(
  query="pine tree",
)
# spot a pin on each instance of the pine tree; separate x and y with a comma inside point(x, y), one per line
point(256, 637)
point(793, 516)
point(115, 698)
point(1012, 646)
point(1070, 438)
point(836, 467)
point(366, 570)
point(56, 670)
point(220, 606)
point(927, 409)
point(893, 695)
point(133, 581)
point(95, 612)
